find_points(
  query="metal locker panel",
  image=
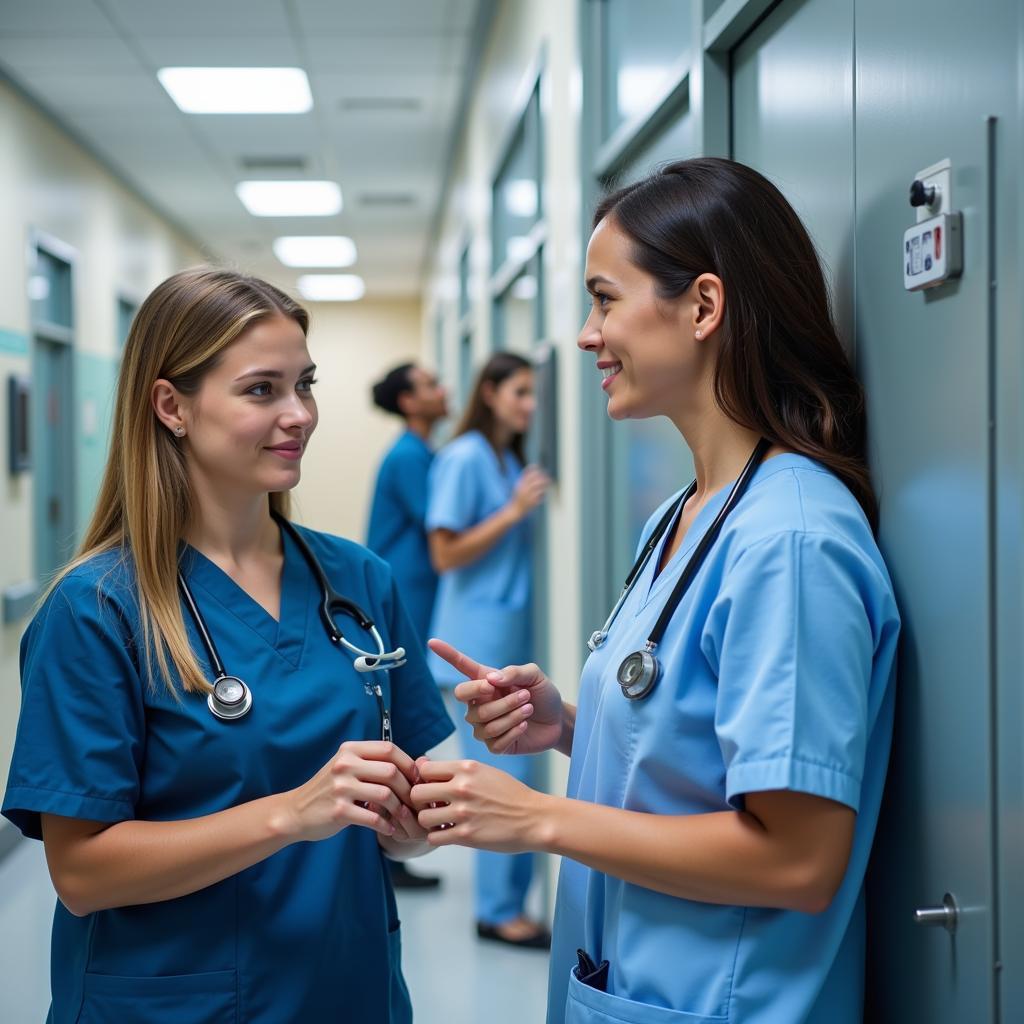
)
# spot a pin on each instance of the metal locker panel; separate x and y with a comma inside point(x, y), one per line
point(792, 119)
point(921, 95)
point(650, 460)
point(925, 85)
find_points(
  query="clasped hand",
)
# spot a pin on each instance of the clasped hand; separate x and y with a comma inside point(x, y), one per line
point(366, 783)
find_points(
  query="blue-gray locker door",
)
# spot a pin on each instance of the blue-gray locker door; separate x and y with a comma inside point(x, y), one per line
point(794, 118)
point(926, 82)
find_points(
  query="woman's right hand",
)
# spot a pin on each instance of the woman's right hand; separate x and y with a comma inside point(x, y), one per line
point(530, 490)
point(514, 710)
point(365, 783)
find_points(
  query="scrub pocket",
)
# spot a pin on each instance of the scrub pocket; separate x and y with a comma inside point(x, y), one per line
point(173, 999)
point(586, 1005)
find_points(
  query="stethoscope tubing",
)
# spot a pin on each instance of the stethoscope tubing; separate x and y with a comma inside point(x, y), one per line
point(639, 671)
point(231, 697)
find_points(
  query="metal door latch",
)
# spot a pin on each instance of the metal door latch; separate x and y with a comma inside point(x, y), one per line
point(947, 916)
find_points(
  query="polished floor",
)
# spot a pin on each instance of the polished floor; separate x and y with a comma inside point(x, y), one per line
point(454, 978)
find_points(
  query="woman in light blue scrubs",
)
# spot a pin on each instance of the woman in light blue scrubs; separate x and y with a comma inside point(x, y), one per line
point(718, 821)
point(481, 496)
point(216, 870)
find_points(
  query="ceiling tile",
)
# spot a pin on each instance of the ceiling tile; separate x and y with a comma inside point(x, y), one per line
point(382, 16)
point(405, 52)
point(112, 93)
point(202, 18)
point(63, 53)
point(219, 51)
point(38, 17)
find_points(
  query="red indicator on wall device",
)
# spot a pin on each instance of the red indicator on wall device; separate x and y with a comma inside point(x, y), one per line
point(938, 242)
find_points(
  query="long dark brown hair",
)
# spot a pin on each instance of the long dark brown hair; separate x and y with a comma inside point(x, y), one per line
point(781, 368)
point(479, 415)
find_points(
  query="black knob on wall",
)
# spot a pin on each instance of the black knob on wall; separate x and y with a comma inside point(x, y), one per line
point(921, 194)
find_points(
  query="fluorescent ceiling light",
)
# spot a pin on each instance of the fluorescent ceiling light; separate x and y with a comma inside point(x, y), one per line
point(290, 198)
point(238, 90)
point(315, 251)
point(331, 287)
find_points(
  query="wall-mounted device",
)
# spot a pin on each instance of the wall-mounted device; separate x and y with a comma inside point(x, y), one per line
point(933, 248)
point(18, 454)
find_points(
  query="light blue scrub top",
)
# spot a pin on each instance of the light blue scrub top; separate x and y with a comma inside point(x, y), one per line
point(777, 674)
point(482, 608)
point(309, 934)
point(396, 530)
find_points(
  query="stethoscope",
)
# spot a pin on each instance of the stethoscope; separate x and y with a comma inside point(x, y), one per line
point(638, 673)
point(231, 698)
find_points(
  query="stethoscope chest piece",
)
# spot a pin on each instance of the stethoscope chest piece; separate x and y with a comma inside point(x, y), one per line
point(230, 698)
point(638, 674)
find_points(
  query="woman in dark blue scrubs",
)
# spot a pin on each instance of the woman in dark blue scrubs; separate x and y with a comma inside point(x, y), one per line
point(217, 870)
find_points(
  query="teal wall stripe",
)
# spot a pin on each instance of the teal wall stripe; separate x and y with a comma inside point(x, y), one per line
point(95, 381)
point(13, 342)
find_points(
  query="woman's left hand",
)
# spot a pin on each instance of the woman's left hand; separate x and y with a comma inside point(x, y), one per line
point(408, 831)
point(472, 804)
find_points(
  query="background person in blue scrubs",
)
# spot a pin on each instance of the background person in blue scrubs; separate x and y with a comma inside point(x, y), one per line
point(478, 518)
point(716, 832)
point(213, 871)
point(396, 529)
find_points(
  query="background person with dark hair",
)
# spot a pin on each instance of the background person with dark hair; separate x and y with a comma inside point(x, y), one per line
point(396, 528)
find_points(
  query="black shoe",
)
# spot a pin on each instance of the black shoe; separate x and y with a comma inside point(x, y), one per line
point(540, 939)
point(403, 878)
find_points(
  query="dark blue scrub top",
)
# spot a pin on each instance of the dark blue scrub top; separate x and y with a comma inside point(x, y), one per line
point(397, 528)
point(309, 934)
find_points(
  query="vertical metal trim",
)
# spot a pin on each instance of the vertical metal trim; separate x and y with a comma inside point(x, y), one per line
point(992, 312)
point(853, 120)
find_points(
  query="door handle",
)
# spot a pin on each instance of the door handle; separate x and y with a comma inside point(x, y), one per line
point(945, 916)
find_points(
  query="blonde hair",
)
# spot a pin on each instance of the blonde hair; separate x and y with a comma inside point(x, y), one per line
point(145, 502)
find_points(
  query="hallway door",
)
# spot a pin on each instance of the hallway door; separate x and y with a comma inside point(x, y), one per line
point(52, 455)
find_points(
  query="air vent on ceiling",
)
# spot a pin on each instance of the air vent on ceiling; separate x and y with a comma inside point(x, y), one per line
point(382, 104)
point(386, 199)
point(273, 163)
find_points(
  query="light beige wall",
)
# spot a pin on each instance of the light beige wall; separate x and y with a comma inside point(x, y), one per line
point(50, 184)
point(527, 36)
point(353, 345)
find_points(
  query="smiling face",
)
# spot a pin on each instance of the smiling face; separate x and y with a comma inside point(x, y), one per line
point(647, 349)
point(248, 424)
point(512, 401)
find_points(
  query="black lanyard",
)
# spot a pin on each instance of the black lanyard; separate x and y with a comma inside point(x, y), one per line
point(638, 674)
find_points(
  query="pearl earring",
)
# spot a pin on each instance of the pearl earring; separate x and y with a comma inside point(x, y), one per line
point(698, 334)
point(179, 431)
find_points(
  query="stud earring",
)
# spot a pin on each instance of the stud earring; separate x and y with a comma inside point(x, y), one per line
point(698, 334)
point(179, 431)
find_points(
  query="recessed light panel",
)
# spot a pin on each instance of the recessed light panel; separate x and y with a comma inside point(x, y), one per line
point(238, 90)
point(290, 198)
point(331, 287)
point(315, 251)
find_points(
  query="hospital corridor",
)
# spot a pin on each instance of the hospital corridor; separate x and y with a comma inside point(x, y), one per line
point(512, 511)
